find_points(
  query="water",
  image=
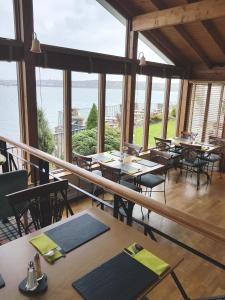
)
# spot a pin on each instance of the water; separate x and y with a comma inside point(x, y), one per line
point(51, 100)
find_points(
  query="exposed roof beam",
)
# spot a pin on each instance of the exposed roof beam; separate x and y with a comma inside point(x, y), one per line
point(212, 31)
point(186, 36)
point(187, 13)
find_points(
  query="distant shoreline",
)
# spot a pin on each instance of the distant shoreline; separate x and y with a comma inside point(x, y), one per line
point(91, 84)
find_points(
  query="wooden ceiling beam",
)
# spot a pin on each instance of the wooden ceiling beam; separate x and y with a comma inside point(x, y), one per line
point(187, 13)
point(186, 36)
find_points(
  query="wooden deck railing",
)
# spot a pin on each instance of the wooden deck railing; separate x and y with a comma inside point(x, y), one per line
point(200, 226)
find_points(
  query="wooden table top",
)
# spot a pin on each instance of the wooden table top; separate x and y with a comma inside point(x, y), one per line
point(207, 148)
point(132, 161)
point(16, 254)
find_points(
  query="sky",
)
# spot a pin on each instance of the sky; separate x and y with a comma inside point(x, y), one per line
point(78, 24)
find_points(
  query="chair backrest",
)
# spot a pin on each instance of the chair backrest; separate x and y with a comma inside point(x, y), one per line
point(44, 203)
point(162, 144)
point(186, 134)
point(133, 149)
point(190, 152)
point(82, 161)
point(110, 173)
point(162, 158)
point(10, 182)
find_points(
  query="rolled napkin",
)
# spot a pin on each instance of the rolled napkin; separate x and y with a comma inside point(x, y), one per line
point(44, 244)
point(149, 260)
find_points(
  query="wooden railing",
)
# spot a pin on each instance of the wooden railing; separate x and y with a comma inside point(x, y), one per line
point(200, 226)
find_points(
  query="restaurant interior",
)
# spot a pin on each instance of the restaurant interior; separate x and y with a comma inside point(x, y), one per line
point(124, 200)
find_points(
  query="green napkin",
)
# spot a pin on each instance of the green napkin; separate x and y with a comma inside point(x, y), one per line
point(149, 260)
point(107, 160)
point(133, 171)
point(44, 244)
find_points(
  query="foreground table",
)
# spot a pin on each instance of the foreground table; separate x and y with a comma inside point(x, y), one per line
point(16, 254)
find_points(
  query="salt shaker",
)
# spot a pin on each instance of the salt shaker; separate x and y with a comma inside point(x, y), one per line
point(32, 282)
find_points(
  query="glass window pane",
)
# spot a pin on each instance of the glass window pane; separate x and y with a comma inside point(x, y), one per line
point(174, 98)
point(113, 112)
point(50, 111)
point(139, 109)
point(84, 113)
point(81, 24)
point(155, 125)
point(9, 116)
point(7, 19)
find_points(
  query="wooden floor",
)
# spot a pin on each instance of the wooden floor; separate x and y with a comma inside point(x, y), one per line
point(199, 278)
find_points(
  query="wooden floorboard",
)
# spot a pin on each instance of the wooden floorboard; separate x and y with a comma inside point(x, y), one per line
point(199, 278)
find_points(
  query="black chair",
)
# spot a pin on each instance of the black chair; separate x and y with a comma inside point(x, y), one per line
point(162, 144)
point(85, 162)
point(115, 175)
point(43, 205)
point(150, 181)
point(192, 161)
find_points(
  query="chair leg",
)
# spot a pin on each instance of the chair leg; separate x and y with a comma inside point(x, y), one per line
point(150, 194)
point(142, 213)
point(164, 191)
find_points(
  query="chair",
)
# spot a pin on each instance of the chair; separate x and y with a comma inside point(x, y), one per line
point(150, 181)
point(186, 134)
point(162, 144)
point(192, 161)
point(44, 205)
point(114, 174)
point(216, 155)
point(10, 182)
point(85, 162)
point(133, 149)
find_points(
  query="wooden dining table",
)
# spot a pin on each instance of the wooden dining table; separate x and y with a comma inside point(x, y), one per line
point(113, 159)
point(205, 148)
point(15, 255)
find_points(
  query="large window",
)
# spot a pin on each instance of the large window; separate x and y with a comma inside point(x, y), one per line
point(9, 116)
point(139, 109)
point(113, 112)
point(207, 110)
point(6, 19)
point(80, 24)
point(156, 111)
point(172, 118)
point(84, 113)
point(50, 111)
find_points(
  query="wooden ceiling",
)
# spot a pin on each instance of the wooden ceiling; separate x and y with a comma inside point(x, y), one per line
point(200, 43)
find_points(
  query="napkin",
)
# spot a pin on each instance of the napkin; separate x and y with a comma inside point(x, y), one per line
point(149, 260)
point(133, 171)
point(107, 160)
point(44, 244)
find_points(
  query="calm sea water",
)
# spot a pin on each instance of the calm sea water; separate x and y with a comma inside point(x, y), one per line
point(51, 100)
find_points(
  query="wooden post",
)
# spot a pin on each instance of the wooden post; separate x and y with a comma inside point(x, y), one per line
point(181, 107)
point(148, 97)
point(26, 69)
point(67, 112)
point(206, 112)
point(101, 113)
point(130, 84)
point(166, 108)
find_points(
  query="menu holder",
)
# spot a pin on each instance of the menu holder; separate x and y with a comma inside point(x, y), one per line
point(76, 232)
point(113, 280)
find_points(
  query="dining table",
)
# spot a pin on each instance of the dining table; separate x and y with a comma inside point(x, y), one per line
point(205, 148)
point(15, 255)
point(131, 167)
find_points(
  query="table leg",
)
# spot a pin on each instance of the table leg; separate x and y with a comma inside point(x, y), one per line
point(130, 207)
point(179, 286)
point(116, 207)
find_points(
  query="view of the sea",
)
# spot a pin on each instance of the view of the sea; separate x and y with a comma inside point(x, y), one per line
point(51, 100)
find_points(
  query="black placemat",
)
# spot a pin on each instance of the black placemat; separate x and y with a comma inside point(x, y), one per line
point(77, 232)
point(147, 163)
point(120, 278)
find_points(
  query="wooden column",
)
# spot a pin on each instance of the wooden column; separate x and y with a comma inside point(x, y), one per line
point(26, 72)
point(129, 84)
point(148, 96)
point(181, 108)
point(67, 112)
point(101, 112)
point(206, 112)
point(166, 108)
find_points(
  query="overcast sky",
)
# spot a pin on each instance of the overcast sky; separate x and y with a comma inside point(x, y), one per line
point(79, 24)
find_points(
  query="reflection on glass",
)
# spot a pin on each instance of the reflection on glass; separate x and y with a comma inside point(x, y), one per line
point(84, 113)
point(9, 116)
point(113, 112)
point(6, 19)
point(49, 84)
